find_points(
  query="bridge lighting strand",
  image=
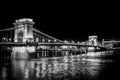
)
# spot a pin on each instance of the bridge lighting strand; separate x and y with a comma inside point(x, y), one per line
point(49, 40)
point(10, 29)
point(4, 38)
point(72, 41)
point(43, 33)
point(78, 42)
point(40, 36)
point(6, 29)
point(46, 35)
point(43, 40)
point(55, 40)
point(66, 41)
point(37, 34)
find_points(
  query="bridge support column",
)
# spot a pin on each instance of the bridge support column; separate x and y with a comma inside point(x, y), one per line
point(23, 33)
point(22, 51)
point(24, 30)
point(19, 52)
point(93, 42)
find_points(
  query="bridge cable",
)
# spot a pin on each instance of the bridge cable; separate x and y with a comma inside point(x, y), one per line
point(10, 29)
point(39, 36)
point(47, 35)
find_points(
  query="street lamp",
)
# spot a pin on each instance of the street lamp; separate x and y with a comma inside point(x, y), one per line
point(43, 40)
point(66, 41)
point(72, 41)
point(9, 39)
point(49, 40)
point(78, 42)
point(4, 38)
point(55, 40)
point(37, 39)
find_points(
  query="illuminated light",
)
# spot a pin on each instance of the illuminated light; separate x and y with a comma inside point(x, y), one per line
point(55, 40)
point(55, 46)
point(91, 49)
point(37, 71)
point(26, 73)
point(64, 47)
point(37, 39)
point(94, 60)
point(66, 41)
point(49, 40)
point(66, 65)
point(93, 54)
point(78, 42)
point(25, 19)
point(9, 39)
point(92, 36)
point(4, 38)
point(4, 73)
point(65, 59)
point(72, 41)
point(55, 66)
point(24, 40)
point(25, 29)
point(29, 36)
point(43, 47)
point(43, 40)
point(30, 49)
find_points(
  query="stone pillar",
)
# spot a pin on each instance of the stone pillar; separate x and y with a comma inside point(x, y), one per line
point(92, 40)
point(24, 30)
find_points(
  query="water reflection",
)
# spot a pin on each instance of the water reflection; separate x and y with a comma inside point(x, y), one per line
point(67, 67)
point(4, 73)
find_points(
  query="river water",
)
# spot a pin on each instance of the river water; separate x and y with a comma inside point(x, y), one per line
point(92, 66)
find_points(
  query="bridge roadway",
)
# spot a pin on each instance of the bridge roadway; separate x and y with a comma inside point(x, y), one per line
point(112, 41)
point(47, 44)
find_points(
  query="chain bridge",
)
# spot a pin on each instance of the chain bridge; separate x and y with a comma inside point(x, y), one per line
point(24, 34)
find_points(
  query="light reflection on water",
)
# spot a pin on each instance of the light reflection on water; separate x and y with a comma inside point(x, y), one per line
point(67, 67)
point(4, 73)
point(71, 67)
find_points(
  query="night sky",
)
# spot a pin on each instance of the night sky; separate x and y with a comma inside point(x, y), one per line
point(69, 27)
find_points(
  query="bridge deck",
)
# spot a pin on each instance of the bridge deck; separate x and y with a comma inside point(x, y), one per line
point(47, 44)
point(12, 44)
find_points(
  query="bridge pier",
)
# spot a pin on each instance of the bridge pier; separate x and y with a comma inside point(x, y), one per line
point(92, 41)
point(24, 30)
point(22, 51)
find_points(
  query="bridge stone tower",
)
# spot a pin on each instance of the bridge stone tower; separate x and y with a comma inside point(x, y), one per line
point(24, 30)
point(92, 40)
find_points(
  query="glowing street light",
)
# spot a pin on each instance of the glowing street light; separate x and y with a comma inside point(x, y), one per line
point(78, 42)
point(43, 40)
point(72, 41)
point(66, 41)
point(37, 39)
point(49, 40)
point(4, 38)
point(55, 40)
point(9, 39)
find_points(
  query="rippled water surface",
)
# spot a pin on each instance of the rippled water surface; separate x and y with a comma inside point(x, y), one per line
point(77, 67)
